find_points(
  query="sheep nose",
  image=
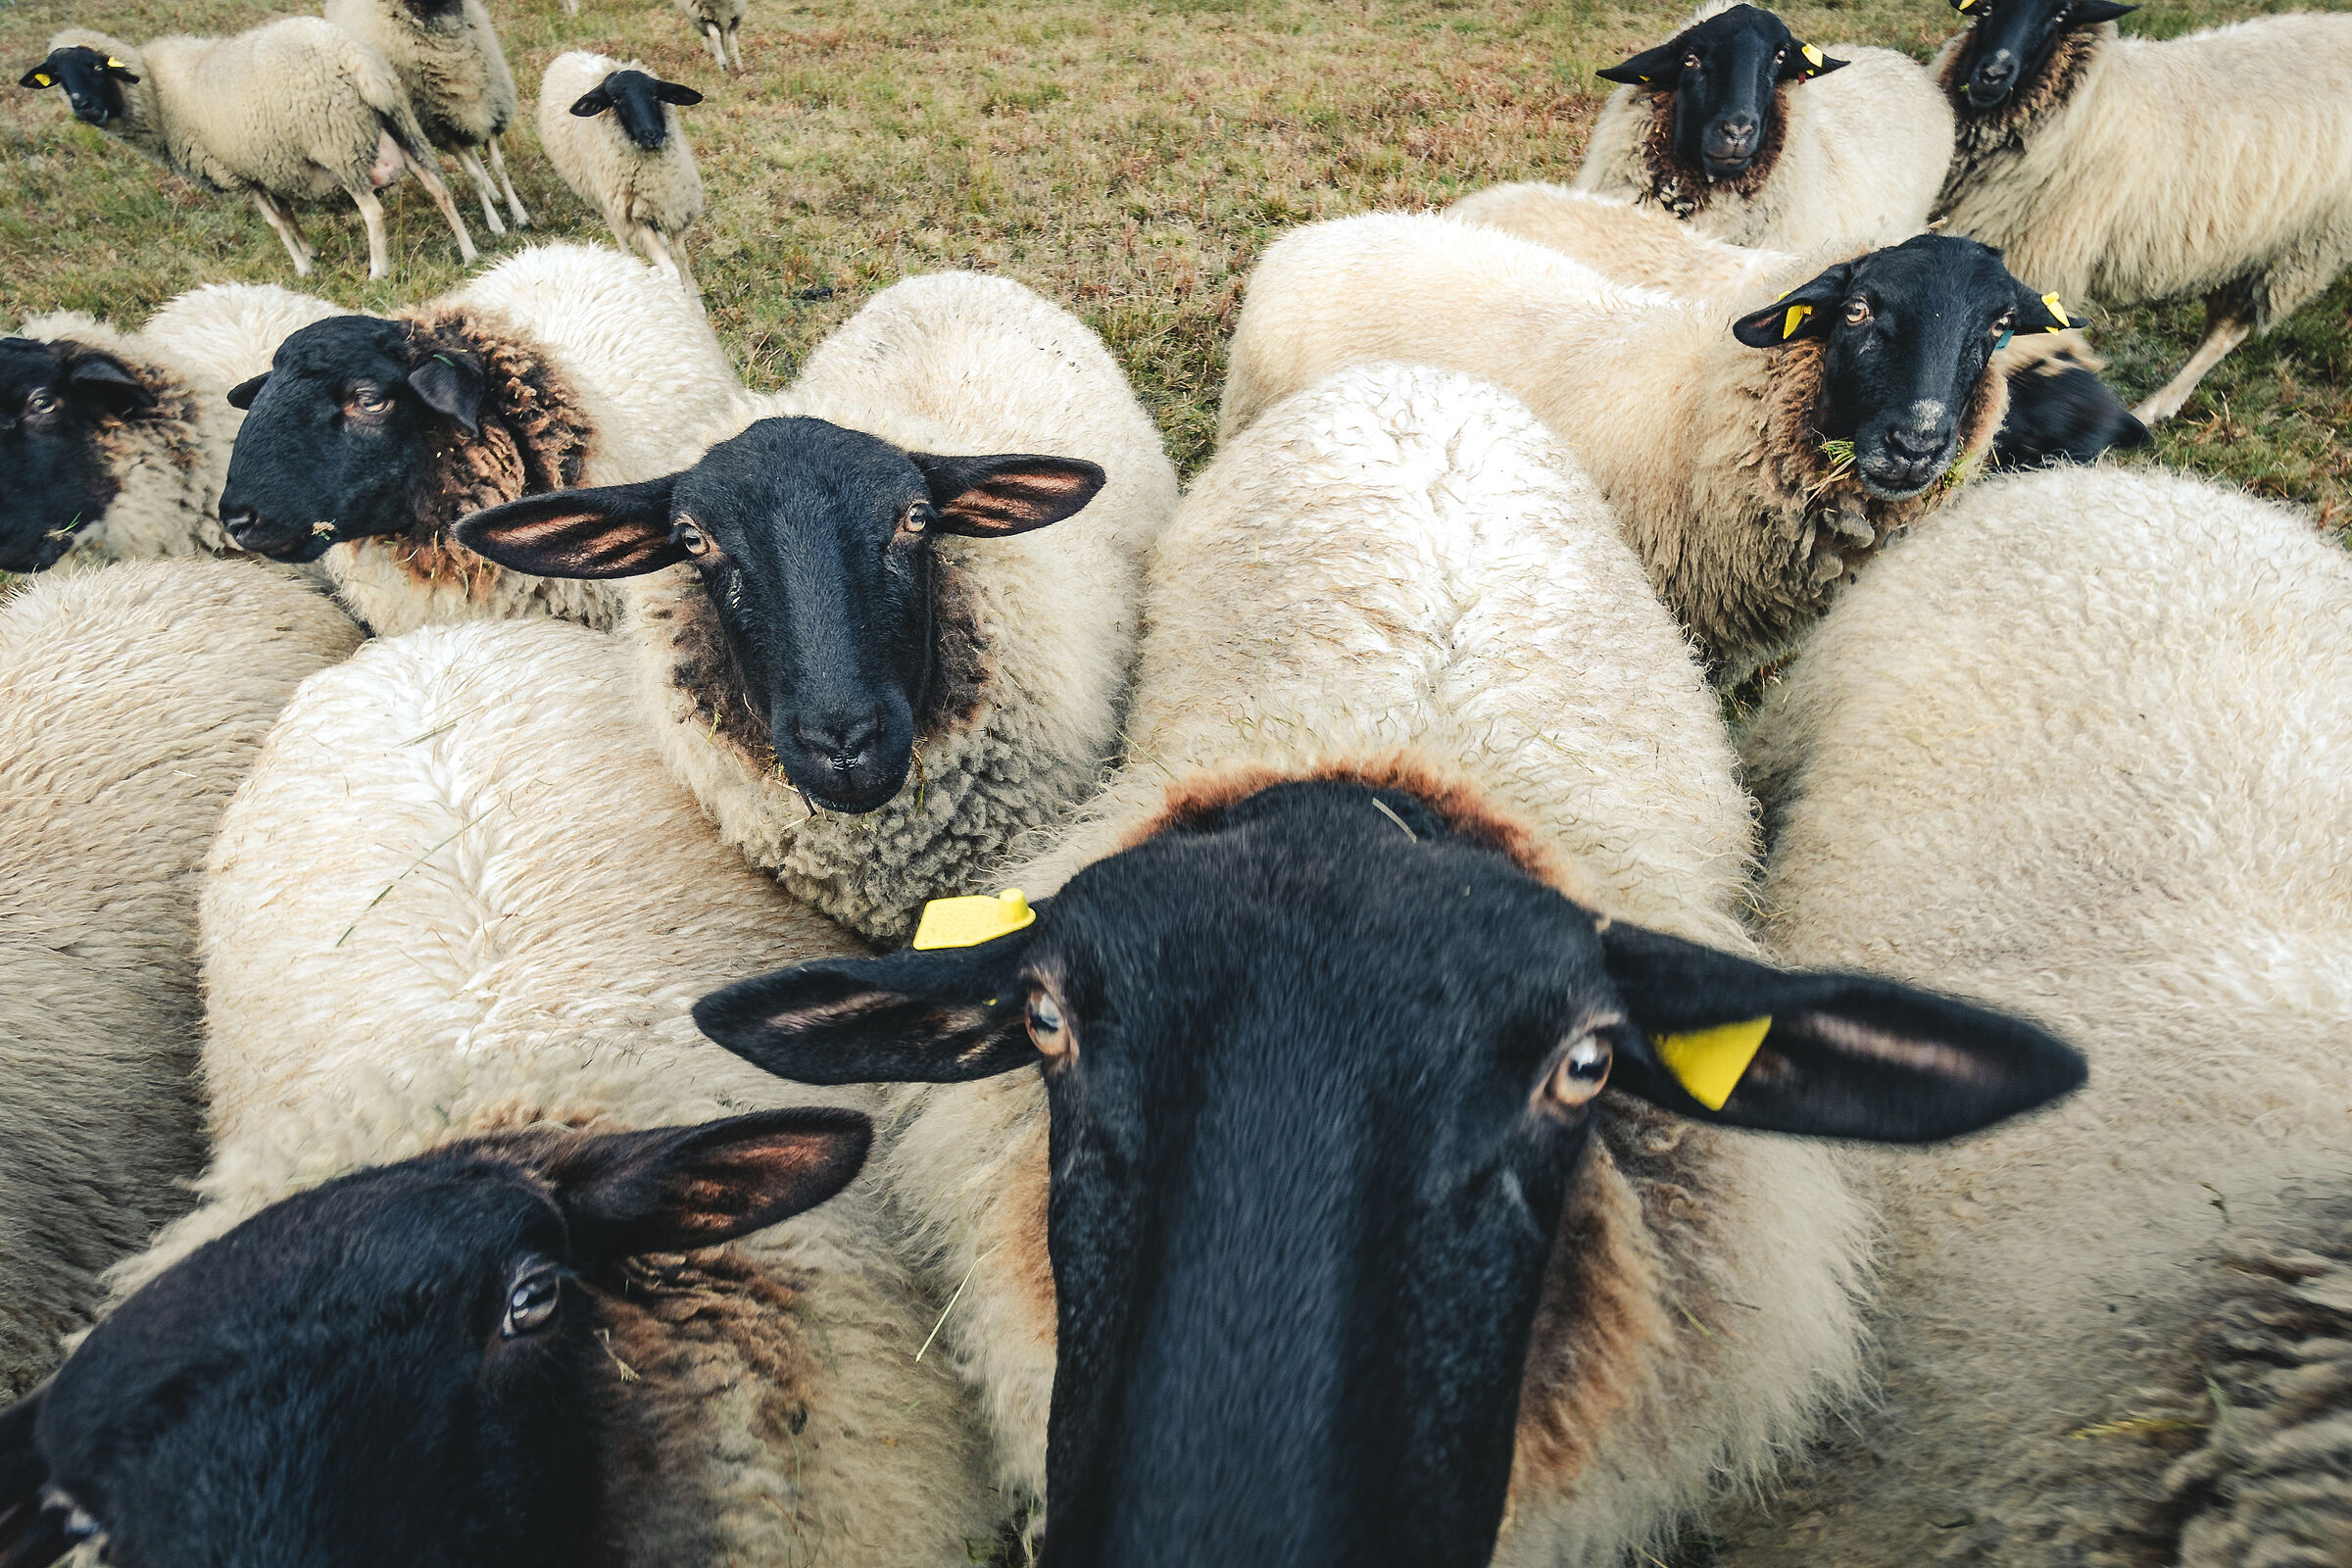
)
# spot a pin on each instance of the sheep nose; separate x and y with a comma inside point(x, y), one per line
point(240, 522)
point(1914, 446)
point(842, 741)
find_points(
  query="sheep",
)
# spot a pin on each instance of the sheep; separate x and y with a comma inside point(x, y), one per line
point(1394, 628)
point(720, 22)
point(116, 443)
point(1751, 135)
point(447, 55)
point(2108, 785)
point(2059, 408)
point(635, 168)
point(133, 700)
point(507, 947)
point(2131, 169)
point(873, 759)
point(563, 364)
point(288, 112)
point(1710, 452)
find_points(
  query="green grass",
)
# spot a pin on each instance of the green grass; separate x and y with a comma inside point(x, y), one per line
point(1129, 159)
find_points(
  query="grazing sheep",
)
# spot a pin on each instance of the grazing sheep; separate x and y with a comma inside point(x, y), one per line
point(133, 700)
point(116, 444)
point(635, 168)
point(720, 22)
point(2108, 784)
point(447, 56)
point(1710, 452)
point(1318, 1222)
point(510, 941)
point(2058, 406)
point(1747, 133)
point(972, 684)
point(2126, 169)
point(289, 112)
point(368, 438)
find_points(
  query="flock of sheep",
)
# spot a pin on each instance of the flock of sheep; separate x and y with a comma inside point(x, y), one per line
point(599, 967)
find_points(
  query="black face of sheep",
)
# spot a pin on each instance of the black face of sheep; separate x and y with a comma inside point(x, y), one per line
point(395, 1368)
point(1321, 1060)
point(56, 403)
point(340, 439)
point(93, 83)
point(814, 542)
point(635, 98)
point(2012, 41)
point(1725, 74)
point(2063, 414)
point(1908, 333)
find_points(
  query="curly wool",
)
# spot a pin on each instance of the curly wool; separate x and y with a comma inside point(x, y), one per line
point(2132, 169)
point(2085, 748)
point(1705, 448)
point(1037, 630)
point(1627, 242)
point(133, 700)
point(1400, 576)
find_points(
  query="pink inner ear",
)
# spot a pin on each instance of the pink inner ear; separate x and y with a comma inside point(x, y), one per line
point(1861, 1040)
point(1015, 497)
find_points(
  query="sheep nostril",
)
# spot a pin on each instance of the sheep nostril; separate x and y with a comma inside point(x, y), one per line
point(241, 521)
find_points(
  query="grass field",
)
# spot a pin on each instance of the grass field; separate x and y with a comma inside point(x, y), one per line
point(1130, 159)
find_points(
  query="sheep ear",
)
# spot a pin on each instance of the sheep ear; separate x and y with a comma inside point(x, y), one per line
point(1797, 314)
point(671, 92)
point(1726, 1039)
point(936, 1015)
point(1661, 67)
point(37, 77)
point(108, 382)
point(595, 101)
point(1808, 62)
point(241, 395)
point(2091, 13)
point(996, 497)
point(676, 1188)
point(620, 530)
point(29, 1534)
point(2041, 313)
point(119, 71)
point(451, 384)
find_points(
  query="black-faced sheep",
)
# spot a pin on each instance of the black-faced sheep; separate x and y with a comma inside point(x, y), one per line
point(2125, 169)
point(1750, 135)
point(368, 438)
point(2108, 784)
point(1709, 430)
point(447, 54)
point(133, 702)
point(293, 111)
point(1347, 1260)
point(612, 133)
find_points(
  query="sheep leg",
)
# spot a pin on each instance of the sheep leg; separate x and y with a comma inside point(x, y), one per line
point(677, 259)
point(497, 167)
point(2225, 329)
point(718, 43)
point(380, 245)
point(422, 165)
point(282, 219)
point(735, 43)
point(657, 252)
point(470, 161)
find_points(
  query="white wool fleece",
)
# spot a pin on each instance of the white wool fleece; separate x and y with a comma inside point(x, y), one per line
point(1400, 571)
point(2108, 785)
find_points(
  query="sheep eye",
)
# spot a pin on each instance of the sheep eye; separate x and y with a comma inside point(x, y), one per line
point(41, 402)
point(2006, 321)
point(1779, 55)
point(917, 518)
point(1580, 1073)
point(1048, 1031)
point(531, 1303)
point(370, 399)
point(1857, 311)
point(689, 537)
point(1691, 62)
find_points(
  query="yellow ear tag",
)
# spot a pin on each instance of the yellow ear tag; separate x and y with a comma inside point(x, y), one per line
point(1710, 1061)
point(41, 79)
point(1793, 320)
point(2056, 310)
point(1962, 5)
point(112, 64)
point(968, 922)
point(1812, 55)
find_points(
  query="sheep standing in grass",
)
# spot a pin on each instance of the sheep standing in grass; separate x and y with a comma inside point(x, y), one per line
point(2109, 785)
point(720, 22)
point(133, 700)
point(2127, 169)
point(447, 55)
point(970, 686)
point(2059, 409)
point(289, 112)
point(1741, 130)
point(1396, 644)
point(1705, 428)
point(612, 133)
point(117, 444)
point(368, 438)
